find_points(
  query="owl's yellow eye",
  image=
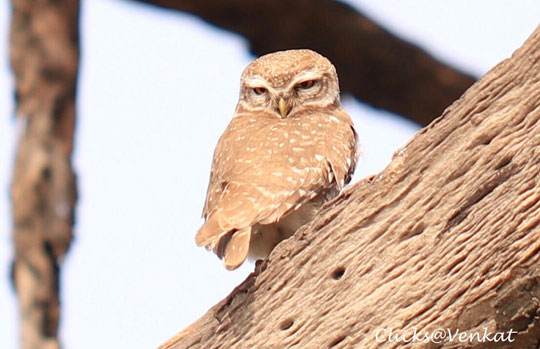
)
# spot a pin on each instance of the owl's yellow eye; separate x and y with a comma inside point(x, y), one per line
point(259, 90)
point(305, 85)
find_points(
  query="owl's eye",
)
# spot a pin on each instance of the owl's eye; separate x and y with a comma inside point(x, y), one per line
point(259, 90)
point(305, 85)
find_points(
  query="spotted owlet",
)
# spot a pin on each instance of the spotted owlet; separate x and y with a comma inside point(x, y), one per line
point(289, 148)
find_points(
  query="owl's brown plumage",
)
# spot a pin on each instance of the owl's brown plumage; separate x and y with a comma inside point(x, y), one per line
point(289, 148)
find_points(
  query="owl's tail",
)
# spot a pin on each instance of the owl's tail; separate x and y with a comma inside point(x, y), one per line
point(230, 245)
point(237, 249)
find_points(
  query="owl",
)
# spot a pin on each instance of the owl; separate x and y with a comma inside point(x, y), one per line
point(289, 148)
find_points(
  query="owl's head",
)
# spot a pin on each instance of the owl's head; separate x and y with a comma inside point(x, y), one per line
point(287, 83)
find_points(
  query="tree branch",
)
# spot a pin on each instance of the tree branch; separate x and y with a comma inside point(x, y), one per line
point(44, 57)
point(447, 236)
point(373, 65)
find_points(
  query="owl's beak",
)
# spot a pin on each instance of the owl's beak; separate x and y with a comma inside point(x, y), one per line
point(283, 108)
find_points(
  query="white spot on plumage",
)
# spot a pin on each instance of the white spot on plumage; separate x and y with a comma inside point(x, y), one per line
point(299, 171)
point(333, 118)
point(319, 157)
point(292, 140)
point(337, 150)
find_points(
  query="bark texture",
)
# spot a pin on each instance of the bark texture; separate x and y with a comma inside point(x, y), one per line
point(447, 236)
point(44, 56)
point(374, 65)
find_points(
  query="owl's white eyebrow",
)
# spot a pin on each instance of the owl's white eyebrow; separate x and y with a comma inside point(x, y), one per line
point(257, 82)
point(308, 75)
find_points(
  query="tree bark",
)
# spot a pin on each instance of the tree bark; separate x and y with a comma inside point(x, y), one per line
point(447, 236)
point(374, 65)
point(44, 56)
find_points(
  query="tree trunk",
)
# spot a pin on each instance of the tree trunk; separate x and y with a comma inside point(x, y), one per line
point(446, 237)
point(44, 57)
point(374, 65)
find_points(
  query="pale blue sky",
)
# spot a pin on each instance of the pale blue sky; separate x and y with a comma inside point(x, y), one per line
point(156, 90)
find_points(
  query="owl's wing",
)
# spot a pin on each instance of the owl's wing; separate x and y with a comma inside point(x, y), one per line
point(225, 164)
point(344, 150)
point(230, 207)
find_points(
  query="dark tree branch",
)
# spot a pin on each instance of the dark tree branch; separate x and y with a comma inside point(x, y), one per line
point(373, 65)
point(44, 52)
